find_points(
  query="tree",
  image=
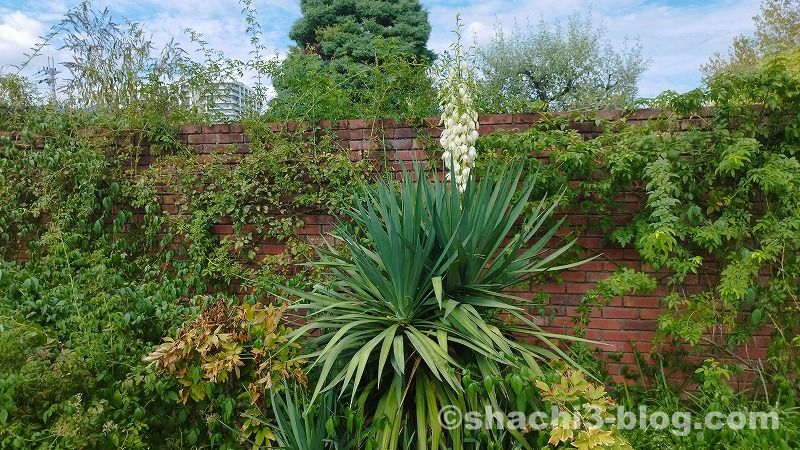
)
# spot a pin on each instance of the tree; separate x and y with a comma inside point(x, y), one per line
point(17, 96)
point(355, 59)
point(557, 67)
point(335, 28)
point(777, 33)
point(308, 88)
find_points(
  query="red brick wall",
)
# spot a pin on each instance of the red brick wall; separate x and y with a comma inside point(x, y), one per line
point(625, 324)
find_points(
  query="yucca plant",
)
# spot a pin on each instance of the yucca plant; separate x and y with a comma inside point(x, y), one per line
point(325, 424)
point(408, 308)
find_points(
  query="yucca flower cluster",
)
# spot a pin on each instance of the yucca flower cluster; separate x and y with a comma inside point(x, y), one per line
point(460, 120)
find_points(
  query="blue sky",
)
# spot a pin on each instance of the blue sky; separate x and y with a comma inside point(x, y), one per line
point(677, 36)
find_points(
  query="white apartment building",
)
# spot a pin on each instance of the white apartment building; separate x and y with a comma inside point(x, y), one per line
point(229, 100)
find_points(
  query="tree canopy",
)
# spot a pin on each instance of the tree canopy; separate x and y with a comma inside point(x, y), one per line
point(557, 66)
point(335, 28)
point(777, 33)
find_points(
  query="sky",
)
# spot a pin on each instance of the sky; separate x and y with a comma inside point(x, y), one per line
point(677, 36)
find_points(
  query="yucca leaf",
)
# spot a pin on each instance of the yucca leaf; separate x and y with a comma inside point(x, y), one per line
point(437, 361)
point(399, 358)
point(421, 411)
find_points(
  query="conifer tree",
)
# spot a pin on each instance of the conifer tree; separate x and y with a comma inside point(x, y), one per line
point(353, 28)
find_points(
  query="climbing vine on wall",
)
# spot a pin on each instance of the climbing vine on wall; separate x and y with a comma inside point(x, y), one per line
point(722, 205)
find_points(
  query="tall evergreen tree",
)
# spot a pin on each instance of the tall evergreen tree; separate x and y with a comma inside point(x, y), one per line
point(353, 28)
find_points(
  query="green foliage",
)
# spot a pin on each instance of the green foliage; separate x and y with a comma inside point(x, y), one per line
point(93, 278)
point(353, 29)
point(325, 423)
point(116, 72)
point(355, 60)
point(309, 88)
point(777, 30)
point(17, 97)
point(264, 198)
point(584, 411)
point(230, 361)
point(773, 425)
point(620, 283)
point(721, 207)
point(406, 311)
point(87, 302)
point(563, 68)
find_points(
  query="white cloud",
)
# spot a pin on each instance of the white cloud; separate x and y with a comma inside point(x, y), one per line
point(18, 33)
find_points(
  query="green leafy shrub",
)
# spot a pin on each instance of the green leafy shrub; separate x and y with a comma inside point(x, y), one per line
point(230, 361)
point(715, 399)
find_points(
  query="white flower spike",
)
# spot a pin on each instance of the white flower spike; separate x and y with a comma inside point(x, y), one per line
point(460, 120)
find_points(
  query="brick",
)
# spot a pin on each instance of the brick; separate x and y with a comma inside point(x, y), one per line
point(613, 254)
point(573, 275)
point(620, 313)
point(273, 249)
point(411, 155)
point(639, 324)
point(631, 254)
point(527, 118)
point(615, 347)
point(609, 114)
point(405, 133)
point(357, 124)
point(485, 129)
point(318, 219)
point(649, 313)
point(577, 220)
point(343, 135)
point(230, 138)
point(222, 229)
point(620, 335)
point(202, 139)
point(592, 266)
point(217, 128)
point(626, 318)
point(363, 145)
point(400, 144)
point(643, 347)
point(641, 301)
point(578, 288)
point(419, 144)
point(594, 335)
point(431, 122)
point(570, 312)
point(606, 324)
point(561, 322)
point(597, 276)
point(191, 129)
point(492, 119)
point(648, 114)
point(582, 127)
